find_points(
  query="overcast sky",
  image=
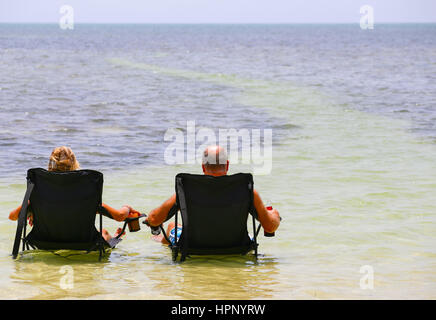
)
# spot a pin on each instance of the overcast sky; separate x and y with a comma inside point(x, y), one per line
point(218, 11)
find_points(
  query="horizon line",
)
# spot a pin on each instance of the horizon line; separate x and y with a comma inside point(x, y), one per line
point(224, 23)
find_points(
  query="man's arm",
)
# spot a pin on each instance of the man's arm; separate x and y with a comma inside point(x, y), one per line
point(269, 219)
point(157, 216)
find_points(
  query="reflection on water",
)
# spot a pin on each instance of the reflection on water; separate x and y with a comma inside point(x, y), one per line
point(232, 277)
point(38, 275)
point(41, 272)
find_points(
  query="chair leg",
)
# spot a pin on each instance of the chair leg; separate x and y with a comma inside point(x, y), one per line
point(101, 252)
point(175, 252)
point(22, 219)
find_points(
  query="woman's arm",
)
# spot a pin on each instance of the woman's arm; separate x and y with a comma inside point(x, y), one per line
point(269, 219)
point(14, 214)
point(118, 215)
point(157, 216)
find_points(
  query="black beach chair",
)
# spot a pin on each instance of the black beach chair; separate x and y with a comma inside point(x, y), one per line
point(214, 213)
point(64, 207)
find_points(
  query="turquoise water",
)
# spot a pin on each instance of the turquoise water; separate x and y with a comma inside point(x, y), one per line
point(353, 172)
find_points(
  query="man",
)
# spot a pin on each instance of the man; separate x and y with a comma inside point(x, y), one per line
point(214, 163)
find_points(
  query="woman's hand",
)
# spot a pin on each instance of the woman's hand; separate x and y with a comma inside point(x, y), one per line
point(133, 213)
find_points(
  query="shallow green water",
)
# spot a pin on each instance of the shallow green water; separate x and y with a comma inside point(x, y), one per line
point(353, 188)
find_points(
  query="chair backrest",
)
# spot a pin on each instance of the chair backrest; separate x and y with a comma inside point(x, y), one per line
point(214, 212)
point(64, 205)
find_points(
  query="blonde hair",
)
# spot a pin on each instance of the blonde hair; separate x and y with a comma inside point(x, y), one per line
point(63, 159)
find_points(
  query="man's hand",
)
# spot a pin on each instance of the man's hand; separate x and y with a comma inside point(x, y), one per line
point(274, 212)
point(269, 219)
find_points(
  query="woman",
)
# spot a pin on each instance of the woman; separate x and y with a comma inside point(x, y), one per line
point(63, 159)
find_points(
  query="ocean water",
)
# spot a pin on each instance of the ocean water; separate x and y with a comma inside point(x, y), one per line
point(353, 117)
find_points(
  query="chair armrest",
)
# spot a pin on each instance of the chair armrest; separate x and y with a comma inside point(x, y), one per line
point(135, 218)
